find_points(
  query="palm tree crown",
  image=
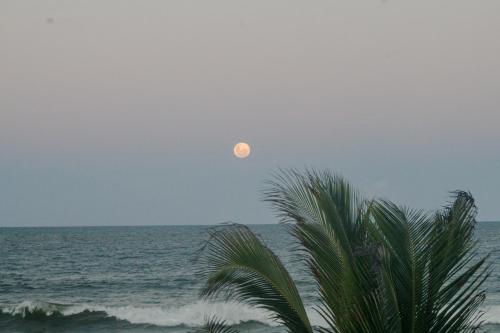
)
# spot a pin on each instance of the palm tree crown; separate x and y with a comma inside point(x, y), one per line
point(378, 267)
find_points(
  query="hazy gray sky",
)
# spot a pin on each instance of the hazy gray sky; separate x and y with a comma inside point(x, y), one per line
point(120, 112)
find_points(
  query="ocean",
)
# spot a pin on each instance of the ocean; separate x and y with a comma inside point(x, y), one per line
point(144, 279)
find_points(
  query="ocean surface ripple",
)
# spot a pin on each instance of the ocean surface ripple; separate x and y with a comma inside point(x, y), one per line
point(144, 279)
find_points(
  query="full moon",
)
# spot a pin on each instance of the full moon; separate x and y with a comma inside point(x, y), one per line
point(241, 150)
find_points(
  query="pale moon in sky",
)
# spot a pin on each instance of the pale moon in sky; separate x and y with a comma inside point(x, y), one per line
point(241, 150)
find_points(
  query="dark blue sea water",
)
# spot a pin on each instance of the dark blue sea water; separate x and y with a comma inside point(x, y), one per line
point(141, 279)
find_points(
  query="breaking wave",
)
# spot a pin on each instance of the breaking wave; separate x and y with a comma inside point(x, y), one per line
point(190, 315)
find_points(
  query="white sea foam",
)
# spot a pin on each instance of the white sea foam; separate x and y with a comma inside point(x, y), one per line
point(27, 307)
point(191, 315)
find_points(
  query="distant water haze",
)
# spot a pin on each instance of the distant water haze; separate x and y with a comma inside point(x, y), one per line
point(126, 112)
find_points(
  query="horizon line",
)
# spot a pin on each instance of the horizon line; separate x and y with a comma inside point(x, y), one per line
point(163, 225)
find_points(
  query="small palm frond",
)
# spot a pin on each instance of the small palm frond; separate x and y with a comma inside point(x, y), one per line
point(431, 273)
point(241, 267)
point(456, 274)
point(331, 224)
point(404, 234)
point(215, 325)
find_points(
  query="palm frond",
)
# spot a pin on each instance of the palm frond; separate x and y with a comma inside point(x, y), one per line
point(331, 222)
point(456, 274)
point(241, 267)
point(404, 234)
point(378, 267)
point(215, 325)
point(430, 268)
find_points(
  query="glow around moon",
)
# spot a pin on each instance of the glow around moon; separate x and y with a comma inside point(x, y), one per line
point(241, 150)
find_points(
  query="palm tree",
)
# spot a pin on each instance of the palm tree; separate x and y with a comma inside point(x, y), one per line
point(378, 267)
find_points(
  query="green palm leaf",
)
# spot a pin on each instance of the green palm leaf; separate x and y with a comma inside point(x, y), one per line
point(241, 267)
point(430, 267)
point(378, 267)
point(331, 224)
point(215, 325)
